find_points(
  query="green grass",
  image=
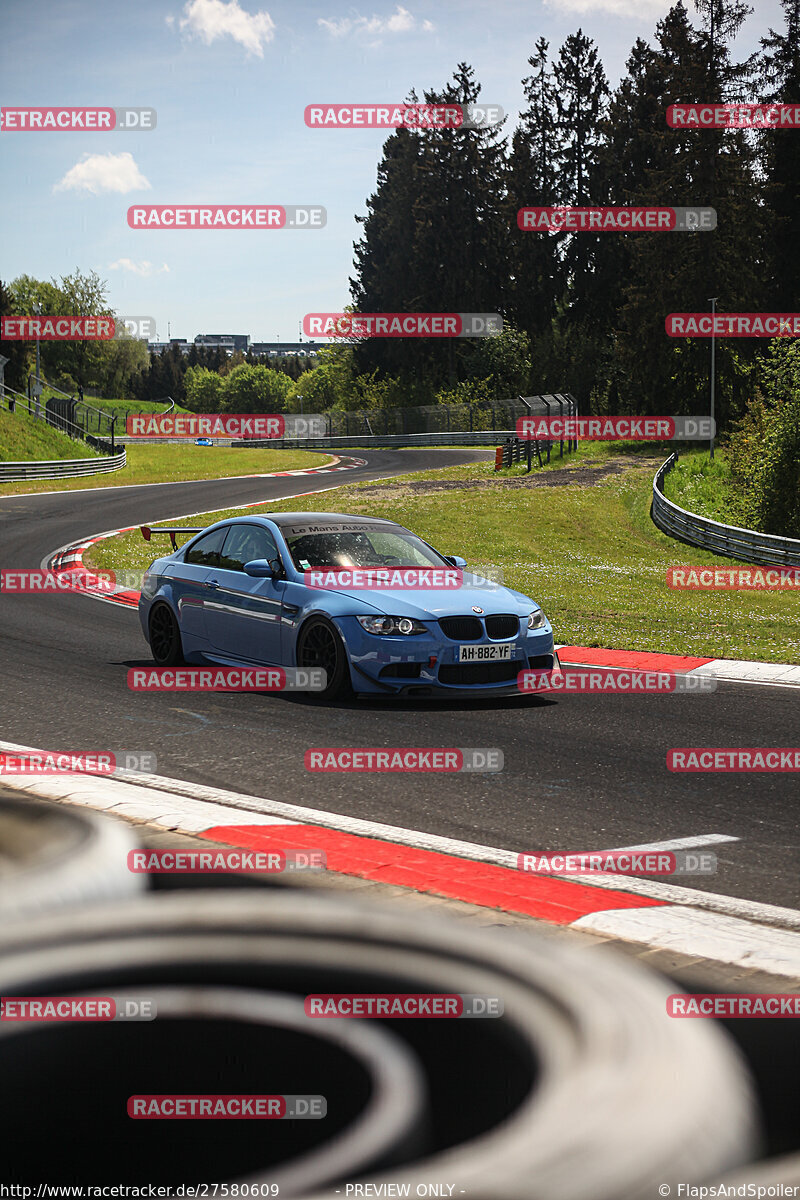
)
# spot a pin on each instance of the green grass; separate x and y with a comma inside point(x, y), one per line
point(589, 554)
point(123, 407)
point(174, 462)
point(704, 487)
point(24, 439)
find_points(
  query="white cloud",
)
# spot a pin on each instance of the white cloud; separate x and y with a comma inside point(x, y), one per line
point(212, 19)
point(143, 268)
point(615, 8)
point(401, 21)
point(103, 173)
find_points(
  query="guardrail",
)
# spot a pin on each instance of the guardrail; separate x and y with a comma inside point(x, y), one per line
point(730, 541)
point(61, 468)
point(486, 437)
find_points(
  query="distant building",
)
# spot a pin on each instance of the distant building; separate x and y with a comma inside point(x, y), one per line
point(158, 347)
point(231, 342)
point(224, 341)
point(282, 349)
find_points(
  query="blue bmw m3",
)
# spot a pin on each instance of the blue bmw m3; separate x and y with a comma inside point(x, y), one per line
point(368, 601)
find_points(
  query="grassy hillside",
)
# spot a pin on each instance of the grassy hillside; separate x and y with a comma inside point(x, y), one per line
point(23, 438)
point(131, 406)
point(705, 487)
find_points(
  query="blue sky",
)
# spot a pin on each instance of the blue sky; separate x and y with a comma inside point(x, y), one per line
point(230, 80)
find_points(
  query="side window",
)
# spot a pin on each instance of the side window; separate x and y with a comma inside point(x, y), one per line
point(205, 551)
point(244, 543)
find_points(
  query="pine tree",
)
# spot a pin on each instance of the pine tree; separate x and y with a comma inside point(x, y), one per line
point(536, 277)
point(435, 237)
point(680, 271)
point(780, 79)
point(581, 102)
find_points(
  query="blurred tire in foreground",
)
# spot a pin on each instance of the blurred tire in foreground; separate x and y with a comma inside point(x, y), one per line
point(219, 1041)
point(584, 1089)
point(52, 855)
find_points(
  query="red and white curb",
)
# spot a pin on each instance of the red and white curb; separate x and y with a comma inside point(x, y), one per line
point(730, 669)
point(737, 932)
point(70, 557)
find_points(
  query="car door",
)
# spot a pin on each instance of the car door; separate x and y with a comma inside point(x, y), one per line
point(189, 579)
point(243, 613)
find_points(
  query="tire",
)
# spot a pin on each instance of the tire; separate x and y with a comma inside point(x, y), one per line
point(580, 1087)
point(165, 636)
point(320, 645)
point(55, 856)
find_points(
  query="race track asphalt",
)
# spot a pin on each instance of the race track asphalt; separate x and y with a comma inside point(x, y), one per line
point(581, 772)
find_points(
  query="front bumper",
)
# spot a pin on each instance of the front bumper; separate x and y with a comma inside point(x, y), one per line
point(427, 664)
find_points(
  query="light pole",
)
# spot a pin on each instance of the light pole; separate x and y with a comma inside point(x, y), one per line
point(713, 300)
point(37, 388)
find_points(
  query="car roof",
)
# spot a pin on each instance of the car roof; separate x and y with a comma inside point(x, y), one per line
point(324, 518)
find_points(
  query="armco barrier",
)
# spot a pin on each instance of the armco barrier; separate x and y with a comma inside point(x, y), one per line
point(387, 441)
point(61, 468)
point(727, 540)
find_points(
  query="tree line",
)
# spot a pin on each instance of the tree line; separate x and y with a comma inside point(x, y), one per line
point(440, 231)
point(122, 368)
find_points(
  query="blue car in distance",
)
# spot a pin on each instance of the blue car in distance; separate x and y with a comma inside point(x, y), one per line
point(297, 590)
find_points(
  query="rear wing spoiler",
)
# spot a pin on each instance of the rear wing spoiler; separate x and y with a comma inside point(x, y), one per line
point(147, 531)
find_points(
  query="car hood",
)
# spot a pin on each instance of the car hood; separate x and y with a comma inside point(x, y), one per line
point(474, 592)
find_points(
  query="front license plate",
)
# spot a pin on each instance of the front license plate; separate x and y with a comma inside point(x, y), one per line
point(484, 653)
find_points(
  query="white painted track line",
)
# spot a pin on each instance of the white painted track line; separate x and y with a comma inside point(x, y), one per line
point(159, 796)
point(687, 843)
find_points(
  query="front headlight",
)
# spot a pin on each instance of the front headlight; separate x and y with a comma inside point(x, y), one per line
point(392, 625)
point(536, 619)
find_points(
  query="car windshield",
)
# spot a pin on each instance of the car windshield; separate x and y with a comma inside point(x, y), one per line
point(367, 548)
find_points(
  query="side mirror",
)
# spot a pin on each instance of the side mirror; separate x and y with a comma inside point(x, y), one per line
point(260, 568)
point(457, 561)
